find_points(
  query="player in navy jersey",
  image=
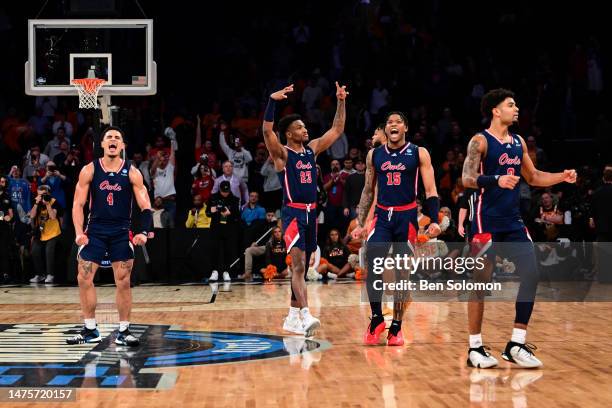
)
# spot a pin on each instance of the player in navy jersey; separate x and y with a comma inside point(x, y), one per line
point(393, 169)
point(110, 183)
point(297, 171)
point(495, 162)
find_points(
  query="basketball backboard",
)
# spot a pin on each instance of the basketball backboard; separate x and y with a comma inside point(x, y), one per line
point(118, 51)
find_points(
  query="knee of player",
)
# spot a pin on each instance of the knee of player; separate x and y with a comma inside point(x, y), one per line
point(85, 277)
point(122, 282)
point(298, 268)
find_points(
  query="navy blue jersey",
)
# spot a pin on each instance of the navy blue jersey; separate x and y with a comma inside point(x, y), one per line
point(498, 209)
point(110, 197)
point(397, 174)
point(299, 177)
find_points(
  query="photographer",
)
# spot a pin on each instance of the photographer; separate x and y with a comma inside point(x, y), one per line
point(224, 211)
point(198, 254)
point(196, 217)
point(45, 216)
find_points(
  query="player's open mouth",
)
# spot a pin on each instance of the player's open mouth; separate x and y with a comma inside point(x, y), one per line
point(112, 146)
point(394, 131)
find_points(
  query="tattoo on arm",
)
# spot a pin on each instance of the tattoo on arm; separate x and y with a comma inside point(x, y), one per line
point(471, 165)
point(340, 117)
point(367, 196)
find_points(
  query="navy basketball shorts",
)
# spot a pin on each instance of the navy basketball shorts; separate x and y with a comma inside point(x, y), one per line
point(300, 229)
point(483, 244)
point(396, 226)
point(107, 243)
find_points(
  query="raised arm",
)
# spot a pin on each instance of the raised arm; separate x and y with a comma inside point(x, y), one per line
point(367, 195)
point(80, 198)
point(173, 149)
point(198, 139)
point(142, 199)
point(324, 142)
point(223, 143)
point(538, 178)
point(273, 144)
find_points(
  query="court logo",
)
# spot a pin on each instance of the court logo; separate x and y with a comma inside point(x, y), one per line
point(35, 355)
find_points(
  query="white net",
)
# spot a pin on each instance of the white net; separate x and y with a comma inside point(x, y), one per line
point(88, 91)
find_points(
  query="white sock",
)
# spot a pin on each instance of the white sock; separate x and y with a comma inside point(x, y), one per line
point(304, 311)
point(123, 326)
point(90, 323)
point(294, 311)
point(475, 340)
point(519, 335)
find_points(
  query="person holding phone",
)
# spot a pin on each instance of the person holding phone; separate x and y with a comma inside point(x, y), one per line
point(53, 178)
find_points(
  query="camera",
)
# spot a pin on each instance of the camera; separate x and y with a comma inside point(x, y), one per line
point(46, 198)
point(52, 168)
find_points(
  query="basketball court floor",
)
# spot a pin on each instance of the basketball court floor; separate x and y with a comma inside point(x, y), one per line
point(233, 352)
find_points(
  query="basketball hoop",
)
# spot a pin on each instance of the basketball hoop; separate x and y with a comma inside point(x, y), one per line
point(88, 91)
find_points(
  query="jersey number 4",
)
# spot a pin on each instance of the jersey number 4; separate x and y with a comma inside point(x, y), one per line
point(394, 179)
point(109, 199)
point(305, 177)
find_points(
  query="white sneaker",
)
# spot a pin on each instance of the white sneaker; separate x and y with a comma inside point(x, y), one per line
point(310, 324)
point(521, 354)
point(350, 275)
point(331, 275)
point(214, 276)
point(293, 325)
point(481, 358)
point(37, 279)
point(226, 277)
point(49, 279)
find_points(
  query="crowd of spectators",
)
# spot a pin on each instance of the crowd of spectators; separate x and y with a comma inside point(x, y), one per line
point(207, 168)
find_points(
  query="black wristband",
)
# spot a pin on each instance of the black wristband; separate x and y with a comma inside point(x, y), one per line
point(146, 221)
point(431, 208)
point(487, 181)
point(270, 110)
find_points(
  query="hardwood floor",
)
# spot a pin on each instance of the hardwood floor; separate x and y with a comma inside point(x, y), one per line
point(430, 371)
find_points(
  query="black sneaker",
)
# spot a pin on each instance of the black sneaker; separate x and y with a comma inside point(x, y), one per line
point(85, 336)
point(125, 338)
